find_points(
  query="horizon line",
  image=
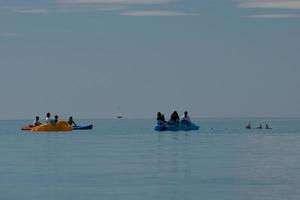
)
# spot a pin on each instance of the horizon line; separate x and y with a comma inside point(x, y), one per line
point(148, 118)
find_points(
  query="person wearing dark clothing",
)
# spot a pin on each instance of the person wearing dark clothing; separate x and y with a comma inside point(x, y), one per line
point(174, 118)
point(160, 118)
point(71, 121)
point(55, 119)
point(248, 126)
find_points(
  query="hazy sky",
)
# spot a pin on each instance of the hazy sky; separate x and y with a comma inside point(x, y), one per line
point(86, 58)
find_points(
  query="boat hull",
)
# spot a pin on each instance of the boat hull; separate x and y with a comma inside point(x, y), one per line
point(27, 128)
point(59, 126)
point(176, 127)
point(88, 127)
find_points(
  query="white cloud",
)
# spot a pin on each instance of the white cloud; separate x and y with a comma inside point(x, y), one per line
point(125, 7)
point(111, 8)
point(274, 16)
point(290, 6)
point(270, 4)
point(100, 8)
point(114, 1)
point(157, 13)
point(33, 10)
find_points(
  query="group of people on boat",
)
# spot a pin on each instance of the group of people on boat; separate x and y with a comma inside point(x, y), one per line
point(248, 126)
point(48, 120)
point(174, 119)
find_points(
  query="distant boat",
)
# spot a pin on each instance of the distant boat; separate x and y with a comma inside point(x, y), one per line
point(119, 115)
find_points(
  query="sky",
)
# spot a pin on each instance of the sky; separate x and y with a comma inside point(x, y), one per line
point(94, 58)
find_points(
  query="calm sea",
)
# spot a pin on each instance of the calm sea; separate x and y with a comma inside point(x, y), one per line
point(126, 159)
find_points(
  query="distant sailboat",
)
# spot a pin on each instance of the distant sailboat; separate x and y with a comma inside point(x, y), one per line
point(119, 115)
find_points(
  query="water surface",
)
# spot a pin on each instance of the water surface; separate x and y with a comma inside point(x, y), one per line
point(126, 159)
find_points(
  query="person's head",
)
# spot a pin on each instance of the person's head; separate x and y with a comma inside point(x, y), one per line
point(159, 114)
point(70, 118)
point(185, 113)
point(37, 118)
point(48, 115)
point(56, 117)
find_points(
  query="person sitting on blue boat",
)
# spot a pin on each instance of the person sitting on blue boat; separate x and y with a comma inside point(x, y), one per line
point(160, 118)
point(37, 122)
point(71, 121)
point(185, 119)
point(174, 118)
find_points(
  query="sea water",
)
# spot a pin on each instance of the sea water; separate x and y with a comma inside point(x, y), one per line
point(127, 159)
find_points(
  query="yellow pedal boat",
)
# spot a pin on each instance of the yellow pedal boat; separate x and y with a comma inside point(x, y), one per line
point(59, 126)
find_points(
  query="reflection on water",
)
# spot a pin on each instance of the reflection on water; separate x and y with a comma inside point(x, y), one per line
point(173, 158)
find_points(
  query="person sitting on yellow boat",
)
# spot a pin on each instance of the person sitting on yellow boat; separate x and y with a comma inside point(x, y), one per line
point(55, 119)
point(37, 122)
point(71, 121)
point(48, 119)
